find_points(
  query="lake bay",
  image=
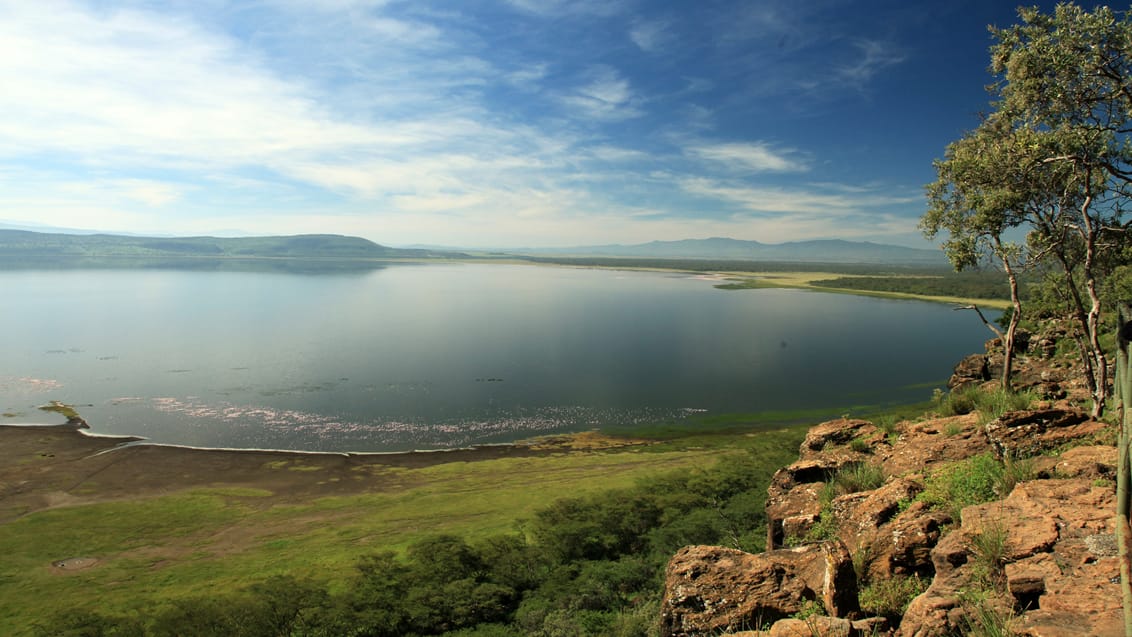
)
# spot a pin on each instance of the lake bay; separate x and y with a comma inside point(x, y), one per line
point(407, 356)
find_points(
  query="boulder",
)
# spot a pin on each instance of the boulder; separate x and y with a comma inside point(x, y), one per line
point(904, 546)
point(971, 371)
point(938, 611)
point(1095, 462)
point(712, 589)
point(794, 496)
point(928, 442)
point(835, 432)
point(1020, 434)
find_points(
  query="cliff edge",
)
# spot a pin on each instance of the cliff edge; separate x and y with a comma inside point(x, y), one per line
point(993, 521)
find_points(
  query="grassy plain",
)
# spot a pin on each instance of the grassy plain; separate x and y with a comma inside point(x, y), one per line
point(806, 281)
point(84, 525)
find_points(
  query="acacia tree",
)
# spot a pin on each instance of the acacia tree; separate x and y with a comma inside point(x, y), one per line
point(989, 182)
point(1058, 158)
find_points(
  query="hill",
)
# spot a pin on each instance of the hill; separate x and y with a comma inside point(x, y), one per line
point(817, 251)
point(23, 243)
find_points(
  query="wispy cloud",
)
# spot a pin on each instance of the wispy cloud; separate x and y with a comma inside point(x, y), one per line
point(568, 7)
point(604, 95)
point(757, 157)
point(874, 57)
point(393, 119)
point(651, 35)
point(820, 201)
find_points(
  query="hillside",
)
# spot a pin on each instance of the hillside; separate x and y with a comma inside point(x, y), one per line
point(22, 243)
point(993, 516)
point(818, 251)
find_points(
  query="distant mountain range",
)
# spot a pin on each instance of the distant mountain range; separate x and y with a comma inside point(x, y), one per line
point(23, 243)
point(819, 251)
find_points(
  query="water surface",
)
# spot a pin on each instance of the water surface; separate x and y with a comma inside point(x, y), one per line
point(431, 356)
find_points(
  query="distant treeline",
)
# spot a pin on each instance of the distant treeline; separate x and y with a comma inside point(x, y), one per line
point(730, 265)
point(977, 285)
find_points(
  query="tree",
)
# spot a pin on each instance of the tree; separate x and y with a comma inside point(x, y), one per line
point(989, 183)
point(1054, 158)
point(1068, 77)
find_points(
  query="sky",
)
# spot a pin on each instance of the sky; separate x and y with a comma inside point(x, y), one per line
point(487, 123)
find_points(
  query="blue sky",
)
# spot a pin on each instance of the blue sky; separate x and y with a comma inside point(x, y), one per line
point(487, 123)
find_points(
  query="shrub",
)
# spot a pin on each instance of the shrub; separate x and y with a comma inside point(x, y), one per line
point(956, 485)
point(857, 477)
point(990, 403)
point(989, 550)
point(890, 597)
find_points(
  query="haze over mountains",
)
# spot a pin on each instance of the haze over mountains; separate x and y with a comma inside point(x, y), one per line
point(18, 243)
point(22, 243)
point(816, 251)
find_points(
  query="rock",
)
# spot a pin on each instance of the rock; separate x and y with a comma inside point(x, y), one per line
point(835, 432)
point(711, 589)
point(1020, 434)
point(1095, 462)
point(816, 626)
point(972, 370)
point(1082, 601)
point(928, 442)
point(938, 611)
point(1026, 579)
point(795, 495)
point(904, 546)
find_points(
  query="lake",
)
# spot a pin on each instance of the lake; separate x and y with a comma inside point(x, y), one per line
point(408, 356)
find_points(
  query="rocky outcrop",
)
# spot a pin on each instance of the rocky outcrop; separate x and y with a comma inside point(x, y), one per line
point(1018, 434)
point(710, 589)
point(971, 371)
point(1041, 559)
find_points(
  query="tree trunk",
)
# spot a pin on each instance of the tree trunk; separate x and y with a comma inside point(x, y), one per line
point(1123, 469)
point(1015, 317)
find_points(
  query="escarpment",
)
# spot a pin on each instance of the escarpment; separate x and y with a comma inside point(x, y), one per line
point(983, 517)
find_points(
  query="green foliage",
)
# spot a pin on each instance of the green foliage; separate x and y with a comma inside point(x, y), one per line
point(972, 285)
point(812, 608)
point(986, 616)
point(856, 477)
point(988, 547)
point(956, 485)
point(860, 445)
point(586, 565)
point(990, 404)
point(890, 597)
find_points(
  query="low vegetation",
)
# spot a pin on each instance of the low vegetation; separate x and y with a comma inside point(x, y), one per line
point(485, 548)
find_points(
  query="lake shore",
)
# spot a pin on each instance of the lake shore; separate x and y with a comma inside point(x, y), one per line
point(47, 466)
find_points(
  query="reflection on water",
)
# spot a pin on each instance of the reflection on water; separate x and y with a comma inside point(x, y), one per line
point(403, 357)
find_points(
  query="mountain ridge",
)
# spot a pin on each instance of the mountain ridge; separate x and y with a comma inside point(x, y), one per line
point(26, 243)
point(814, 251)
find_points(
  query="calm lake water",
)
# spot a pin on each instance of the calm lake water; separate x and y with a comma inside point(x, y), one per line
point(432, 356)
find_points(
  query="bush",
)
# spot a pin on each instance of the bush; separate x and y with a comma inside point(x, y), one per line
point(856, 477)
point(989, 403)
point(890, 598)
point(956, 485)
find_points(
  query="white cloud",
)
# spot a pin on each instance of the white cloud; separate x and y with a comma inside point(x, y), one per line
point(758, 157)
point(650, 36)
point(874, 56)
point(785, 200)
point(554, 8)
point(606, 95)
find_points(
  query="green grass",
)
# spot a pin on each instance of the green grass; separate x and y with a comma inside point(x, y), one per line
point(990, 404)
point(218, 541)
point(890, 597)
point(978, 479)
